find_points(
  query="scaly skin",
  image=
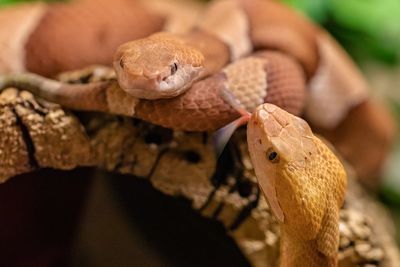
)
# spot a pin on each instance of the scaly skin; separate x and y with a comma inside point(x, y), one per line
point(304, 183)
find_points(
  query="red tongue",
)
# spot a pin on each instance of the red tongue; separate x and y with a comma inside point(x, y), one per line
point(221, 137)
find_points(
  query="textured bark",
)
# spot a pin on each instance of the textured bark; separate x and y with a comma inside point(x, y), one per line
point(39, 134)
point(36, 134)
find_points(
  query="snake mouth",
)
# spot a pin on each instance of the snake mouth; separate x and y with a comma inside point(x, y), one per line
point(145, 88)
point(149, 88)
point(142, 86)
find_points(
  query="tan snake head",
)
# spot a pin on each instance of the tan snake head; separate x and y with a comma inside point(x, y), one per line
point(279, 144)
point(159, 66)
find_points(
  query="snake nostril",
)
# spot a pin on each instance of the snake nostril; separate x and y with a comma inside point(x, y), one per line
point(121, 63)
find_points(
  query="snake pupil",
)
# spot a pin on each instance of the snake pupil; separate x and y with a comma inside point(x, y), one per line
point(174, 68)
point(273, 157)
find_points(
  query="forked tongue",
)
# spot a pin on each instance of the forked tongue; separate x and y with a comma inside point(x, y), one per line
point(221, 137)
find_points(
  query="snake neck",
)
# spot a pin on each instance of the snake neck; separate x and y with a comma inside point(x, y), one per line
point(297, 252)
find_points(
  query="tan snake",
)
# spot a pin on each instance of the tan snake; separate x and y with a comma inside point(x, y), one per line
point(304, 183)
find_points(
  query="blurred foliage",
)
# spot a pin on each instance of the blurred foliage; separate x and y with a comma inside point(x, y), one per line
point(365, 27)
point(9, 2)
point(316, 9)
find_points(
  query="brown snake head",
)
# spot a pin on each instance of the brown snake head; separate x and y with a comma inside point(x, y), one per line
point(159, 66)
point(296, 171)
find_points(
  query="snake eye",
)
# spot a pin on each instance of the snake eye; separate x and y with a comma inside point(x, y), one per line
point(273, 156)
point(174, 68)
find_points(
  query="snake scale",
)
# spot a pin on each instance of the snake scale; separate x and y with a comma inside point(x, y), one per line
point(191, 71)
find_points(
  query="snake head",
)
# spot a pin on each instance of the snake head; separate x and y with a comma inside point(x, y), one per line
point(277, 139)
point(159, 66)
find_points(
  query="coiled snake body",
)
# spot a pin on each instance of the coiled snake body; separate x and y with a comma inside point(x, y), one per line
point(175, 81)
